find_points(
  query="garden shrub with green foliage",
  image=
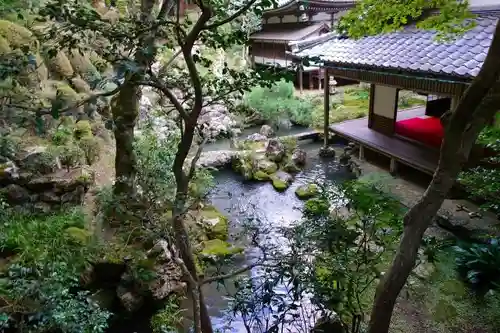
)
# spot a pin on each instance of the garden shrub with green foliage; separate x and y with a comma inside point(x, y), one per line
point(483, 182)
point(479, 264)
point(41, 279)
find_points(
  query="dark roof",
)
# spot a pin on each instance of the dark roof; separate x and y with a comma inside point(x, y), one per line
point(411, 50)
point(288, 4)
point(289, 34)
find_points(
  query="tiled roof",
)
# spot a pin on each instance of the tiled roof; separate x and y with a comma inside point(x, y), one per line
point(411, 49)
point(289, 34)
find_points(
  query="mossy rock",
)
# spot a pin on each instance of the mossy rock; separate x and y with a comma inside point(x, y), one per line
point(17, 36)
point(217, 223)
point(279, 185)
point(82, 236)
point(66, 94)
point(261, 176)
point(267, 166)
point(308, 191)
point(83, 65)
point(317, 207)
point(219, 248)
point(59, 66)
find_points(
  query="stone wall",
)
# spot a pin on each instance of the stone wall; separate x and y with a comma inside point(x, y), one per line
point(36, 180)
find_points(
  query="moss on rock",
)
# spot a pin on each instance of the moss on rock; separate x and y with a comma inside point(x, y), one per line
point(306, 191)
point(217, 223)
point(219, 248)
point(261, 176)
point(278, 184)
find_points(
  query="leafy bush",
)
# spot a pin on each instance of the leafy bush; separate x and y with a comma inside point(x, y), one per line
point(483, 183)
point(70, 155)
point(62, 136)
point(41, 279)
point(278, 102)
point(91, 148)
point(479, 264)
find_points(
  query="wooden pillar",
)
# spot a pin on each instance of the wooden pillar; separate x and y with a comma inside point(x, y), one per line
point(311, 83)
point(301, 78)
point(326, 123)
point(320, 74)
point(454, 102)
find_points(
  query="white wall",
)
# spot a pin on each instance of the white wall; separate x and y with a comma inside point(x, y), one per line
point(384, 101)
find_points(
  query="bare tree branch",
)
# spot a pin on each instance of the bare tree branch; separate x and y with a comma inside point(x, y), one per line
point(170, 95)
point(231, 274)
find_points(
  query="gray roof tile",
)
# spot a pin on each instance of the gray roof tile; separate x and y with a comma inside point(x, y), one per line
point(410, 50)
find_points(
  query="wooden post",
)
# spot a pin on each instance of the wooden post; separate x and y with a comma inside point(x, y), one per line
point(301, 78)
point(361, 153)
point(319, 78)
point(393, 169)
point(326, 123)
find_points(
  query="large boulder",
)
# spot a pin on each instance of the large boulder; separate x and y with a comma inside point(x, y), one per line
point(275, 150)
point(217, 121)
point(266, 131)
point(216, 159)
point(299, 157)
point(15, 194)
point(38, 160)
point(327, 152)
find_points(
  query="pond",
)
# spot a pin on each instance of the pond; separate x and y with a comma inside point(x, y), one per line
point(241, 200)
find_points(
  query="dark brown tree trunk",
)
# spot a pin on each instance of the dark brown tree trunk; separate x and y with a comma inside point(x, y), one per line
point(475, 109)
point(181, 236)
point(125, 111)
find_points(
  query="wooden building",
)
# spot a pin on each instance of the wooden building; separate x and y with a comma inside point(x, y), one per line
point(294, 21)
point(410, 59)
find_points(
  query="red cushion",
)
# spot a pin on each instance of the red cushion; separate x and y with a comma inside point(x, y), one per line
point(425, 130)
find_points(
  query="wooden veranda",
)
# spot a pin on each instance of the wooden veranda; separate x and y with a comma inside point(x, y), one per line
point(396, 148)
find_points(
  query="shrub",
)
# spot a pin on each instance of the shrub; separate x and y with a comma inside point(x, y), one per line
point(278, 102)
point(483, 183)
point(9, 146)
point(479, 264)
point(91, 148)
point(61, 136)
point(70, 155)
point(82, 129)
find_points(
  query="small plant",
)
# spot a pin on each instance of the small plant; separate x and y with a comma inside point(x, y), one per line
point(479, 264)
point(82, 129)
point(70, 155)
point(62, 136)
point(169, 319)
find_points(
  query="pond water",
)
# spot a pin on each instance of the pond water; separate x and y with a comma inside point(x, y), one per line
point(241, 200)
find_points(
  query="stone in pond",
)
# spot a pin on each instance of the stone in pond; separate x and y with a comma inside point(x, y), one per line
point(281, 180)
point(327, 152)
point(275, 150)
point(306, 191)
point(299, 157)
point(267, 131)
point(261, 176)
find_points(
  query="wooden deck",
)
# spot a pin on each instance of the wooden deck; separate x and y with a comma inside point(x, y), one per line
point(399, 150)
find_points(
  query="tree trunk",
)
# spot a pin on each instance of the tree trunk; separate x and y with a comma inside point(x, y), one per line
point(125, 111)
point(181, 236)
point(476, 107)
